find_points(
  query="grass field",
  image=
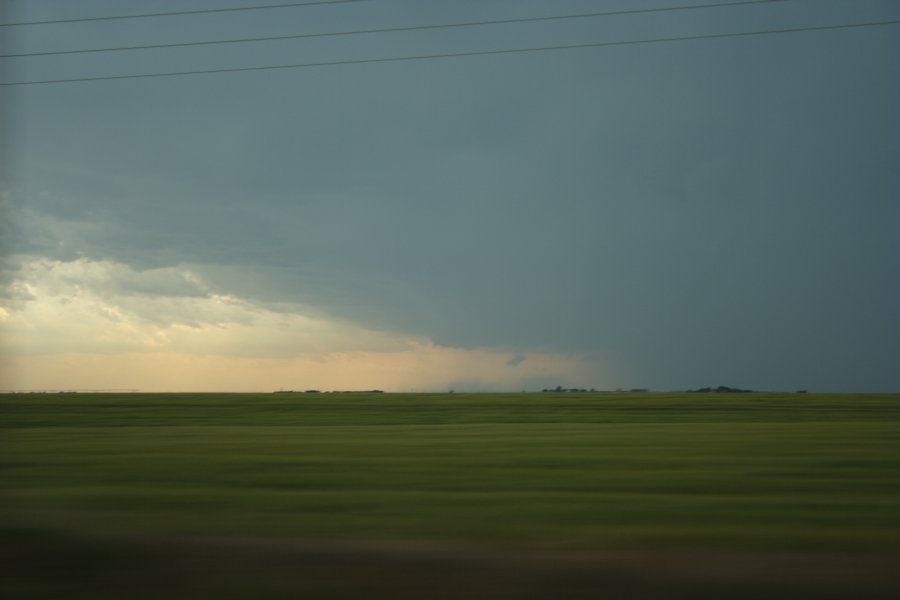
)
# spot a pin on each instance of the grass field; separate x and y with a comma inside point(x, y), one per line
point(748, 476)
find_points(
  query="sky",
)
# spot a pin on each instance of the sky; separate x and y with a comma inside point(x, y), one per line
point(667, 215)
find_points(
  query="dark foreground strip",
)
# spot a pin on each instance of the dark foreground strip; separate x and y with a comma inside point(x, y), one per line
point(42, 565)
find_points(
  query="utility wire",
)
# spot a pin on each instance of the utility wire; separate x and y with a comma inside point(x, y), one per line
point(395, 29)
point(181, 12)
point(456, 54)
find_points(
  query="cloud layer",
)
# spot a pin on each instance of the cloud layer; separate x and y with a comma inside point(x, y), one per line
point(706, 212)
point(86, 324)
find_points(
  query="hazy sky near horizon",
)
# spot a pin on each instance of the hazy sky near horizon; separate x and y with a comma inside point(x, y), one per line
point(668, 215)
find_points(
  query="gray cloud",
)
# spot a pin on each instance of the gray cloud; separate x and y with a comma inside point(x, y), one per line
point(516, 360)
point(704, 211)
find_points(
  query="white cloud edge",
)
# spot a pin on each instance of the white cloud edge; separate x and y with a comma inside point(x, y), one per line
point(87, 323)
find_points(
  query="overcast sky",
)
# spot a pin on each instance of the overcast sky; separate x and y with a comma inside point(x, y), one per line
point(667, 215)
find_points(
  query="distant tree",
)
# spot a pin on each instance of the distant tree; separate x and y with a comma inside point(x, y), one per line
point(722, 389)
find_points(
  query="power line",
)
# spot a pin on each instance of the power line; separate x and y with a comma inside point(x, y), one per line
point(455, 54)
point(395, 29)
point(181, 12)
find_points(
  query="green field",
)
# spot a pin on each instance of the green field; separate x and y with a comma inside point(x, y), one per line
point(715, 474)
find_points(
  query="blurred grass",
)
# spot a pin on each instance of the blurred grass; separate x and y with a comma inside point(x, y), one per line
point(772, 472)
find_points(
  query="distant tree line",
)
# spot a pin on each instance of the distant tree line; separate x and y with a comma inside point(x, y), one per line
point(722, 389)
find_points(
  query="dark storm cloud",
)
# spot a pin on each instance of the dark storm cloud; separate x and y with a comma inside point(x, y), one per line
point(707, 212)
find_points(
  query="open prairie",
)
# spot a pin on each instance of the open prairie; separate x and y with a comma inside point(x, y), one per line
point(476, 495)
